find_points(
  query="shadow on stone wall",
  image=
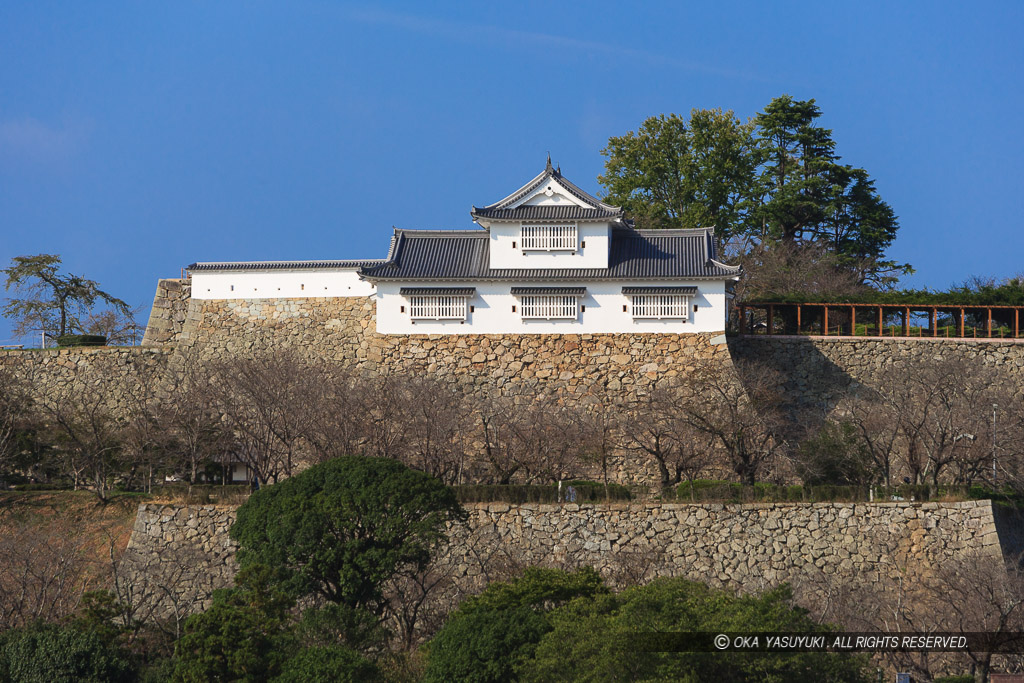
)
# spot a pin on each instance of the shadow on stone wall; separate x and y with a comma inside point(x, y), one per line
point(1010, 527)
point(811, 383)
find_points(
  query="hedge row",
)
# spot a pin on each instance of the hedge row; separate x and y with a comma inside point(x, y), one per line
point(706, 491)
point(1011, 294)
point(585, 492)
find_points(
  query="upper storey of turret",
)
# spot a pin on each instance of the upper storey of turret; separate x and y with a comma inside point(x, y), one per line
point(548, 197)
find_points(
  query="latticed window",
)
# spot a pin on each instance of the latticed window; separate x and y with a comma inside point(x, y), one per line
point(660, 306)
point(437, 307)
point(549, 306)
point(549, 237)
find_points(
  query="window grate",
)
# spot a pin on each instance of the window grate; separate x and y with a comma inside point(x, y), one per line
point(549, 307)
point(437, 307)
point(549, 237)
point(660, 306)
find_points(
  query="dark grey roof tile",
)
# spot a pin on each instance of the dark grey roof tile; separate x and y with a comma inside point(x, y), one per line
point(539, 291)
point(635, 255)
point(527, 213)
point(685, 291)
point(283, 265)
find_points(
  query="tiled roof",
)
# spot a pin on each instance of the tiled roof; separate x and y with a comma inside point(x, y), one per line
point(464, 255)
point(539, 291)
point(284, 265)
point(572, 212)
point(506, 209)
point(437, 291)
point(685, 291)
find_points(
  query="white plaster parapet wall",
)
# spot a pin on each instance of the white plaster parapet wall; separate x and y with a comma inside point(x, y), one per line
point(279, 284)
point(492, 311)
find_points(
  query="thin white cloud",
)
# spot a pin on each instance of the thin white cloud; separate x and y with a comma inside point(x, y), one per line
point(481, 33)
point(30, 140)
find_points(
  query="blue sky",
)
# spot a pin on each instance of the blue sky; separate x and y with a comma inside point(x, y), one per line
point(136, 138)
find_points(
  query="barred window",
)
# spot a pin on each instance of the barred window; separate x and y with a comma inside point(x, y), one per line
point(549, 307)
point(437, 307)
point(660, 306)
point(549, 237)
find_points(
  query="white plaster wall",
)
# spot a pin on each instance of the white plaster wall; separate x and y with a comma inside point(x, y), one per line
point(270, 284)
point(560, 196)
point(597, 237)
point(493, 314)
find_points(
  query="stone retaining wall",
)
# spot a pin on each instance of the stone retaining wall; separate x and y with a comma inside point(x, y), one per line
point(818, 372)
point(744, 547)
point(169, 312)
point(344, 330)
point(112, 371)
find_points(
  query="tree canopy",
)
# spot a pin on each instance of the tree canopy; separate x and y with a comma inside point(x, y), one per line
point(674, 173)
point(776, 179)
point(342, 529)
point(601, 638)
point(50, 300)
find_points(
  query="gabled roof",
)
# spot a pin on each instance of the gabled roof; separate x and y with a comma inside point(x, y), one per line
point(508, 208)
point(284, 265)
point(464, 256)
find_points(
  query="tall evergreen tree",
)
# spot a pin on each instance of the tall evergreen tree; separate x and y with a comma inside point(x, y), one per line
point(776, 180)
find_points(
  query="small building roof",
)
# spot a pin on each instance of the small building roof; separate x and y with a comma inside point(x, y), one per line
point(511, 209)
point(639, 291)
point(464, 256)
point(284, 265)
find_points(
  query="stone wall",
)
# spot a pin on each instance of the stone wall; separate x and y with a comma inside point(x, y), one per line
point(743, 547)
point(112, 371)
point(817, 372)
point(344, 330)
point(169, 312)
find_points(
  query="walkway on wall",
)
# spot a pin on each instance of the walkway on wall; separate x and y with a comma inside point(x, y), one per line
point(954, 321)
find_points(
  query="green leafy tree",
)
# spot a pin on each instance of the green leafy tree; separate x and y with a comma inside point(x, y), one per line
point(245, 635)
point(329, 664)
point(485, 646)
point(342, 529)
point(48, 653)
point(678, 173)
point(492, 635)
point(598, 639)
point(811, 197)
point(776, 180)
point(50, 300)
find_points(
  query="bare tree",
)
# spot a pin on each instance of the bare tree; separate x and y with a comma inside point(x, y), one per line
point(263, 401)
point(548, 437)
point(599, 430)
point(15, 420)
point(657, 427)
point(338, 406)
point(980, 594)
point(437, 420)
point(385, 412)
point(44, 569)
point(499, 418)
point(86, 424)
point(743, 420)
point(191, 418)
point(875, 425)
point(940, 409)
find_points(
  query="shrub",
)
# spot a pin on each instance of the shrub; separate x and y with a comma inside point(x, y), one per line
point(604, 634)
point(328, 664)
point(47, 653)
point(586, 492)
point(69, 340)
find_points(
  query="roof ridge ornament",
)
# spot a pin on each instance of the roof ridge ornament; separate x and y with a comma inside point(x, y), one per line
point(548, 168)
